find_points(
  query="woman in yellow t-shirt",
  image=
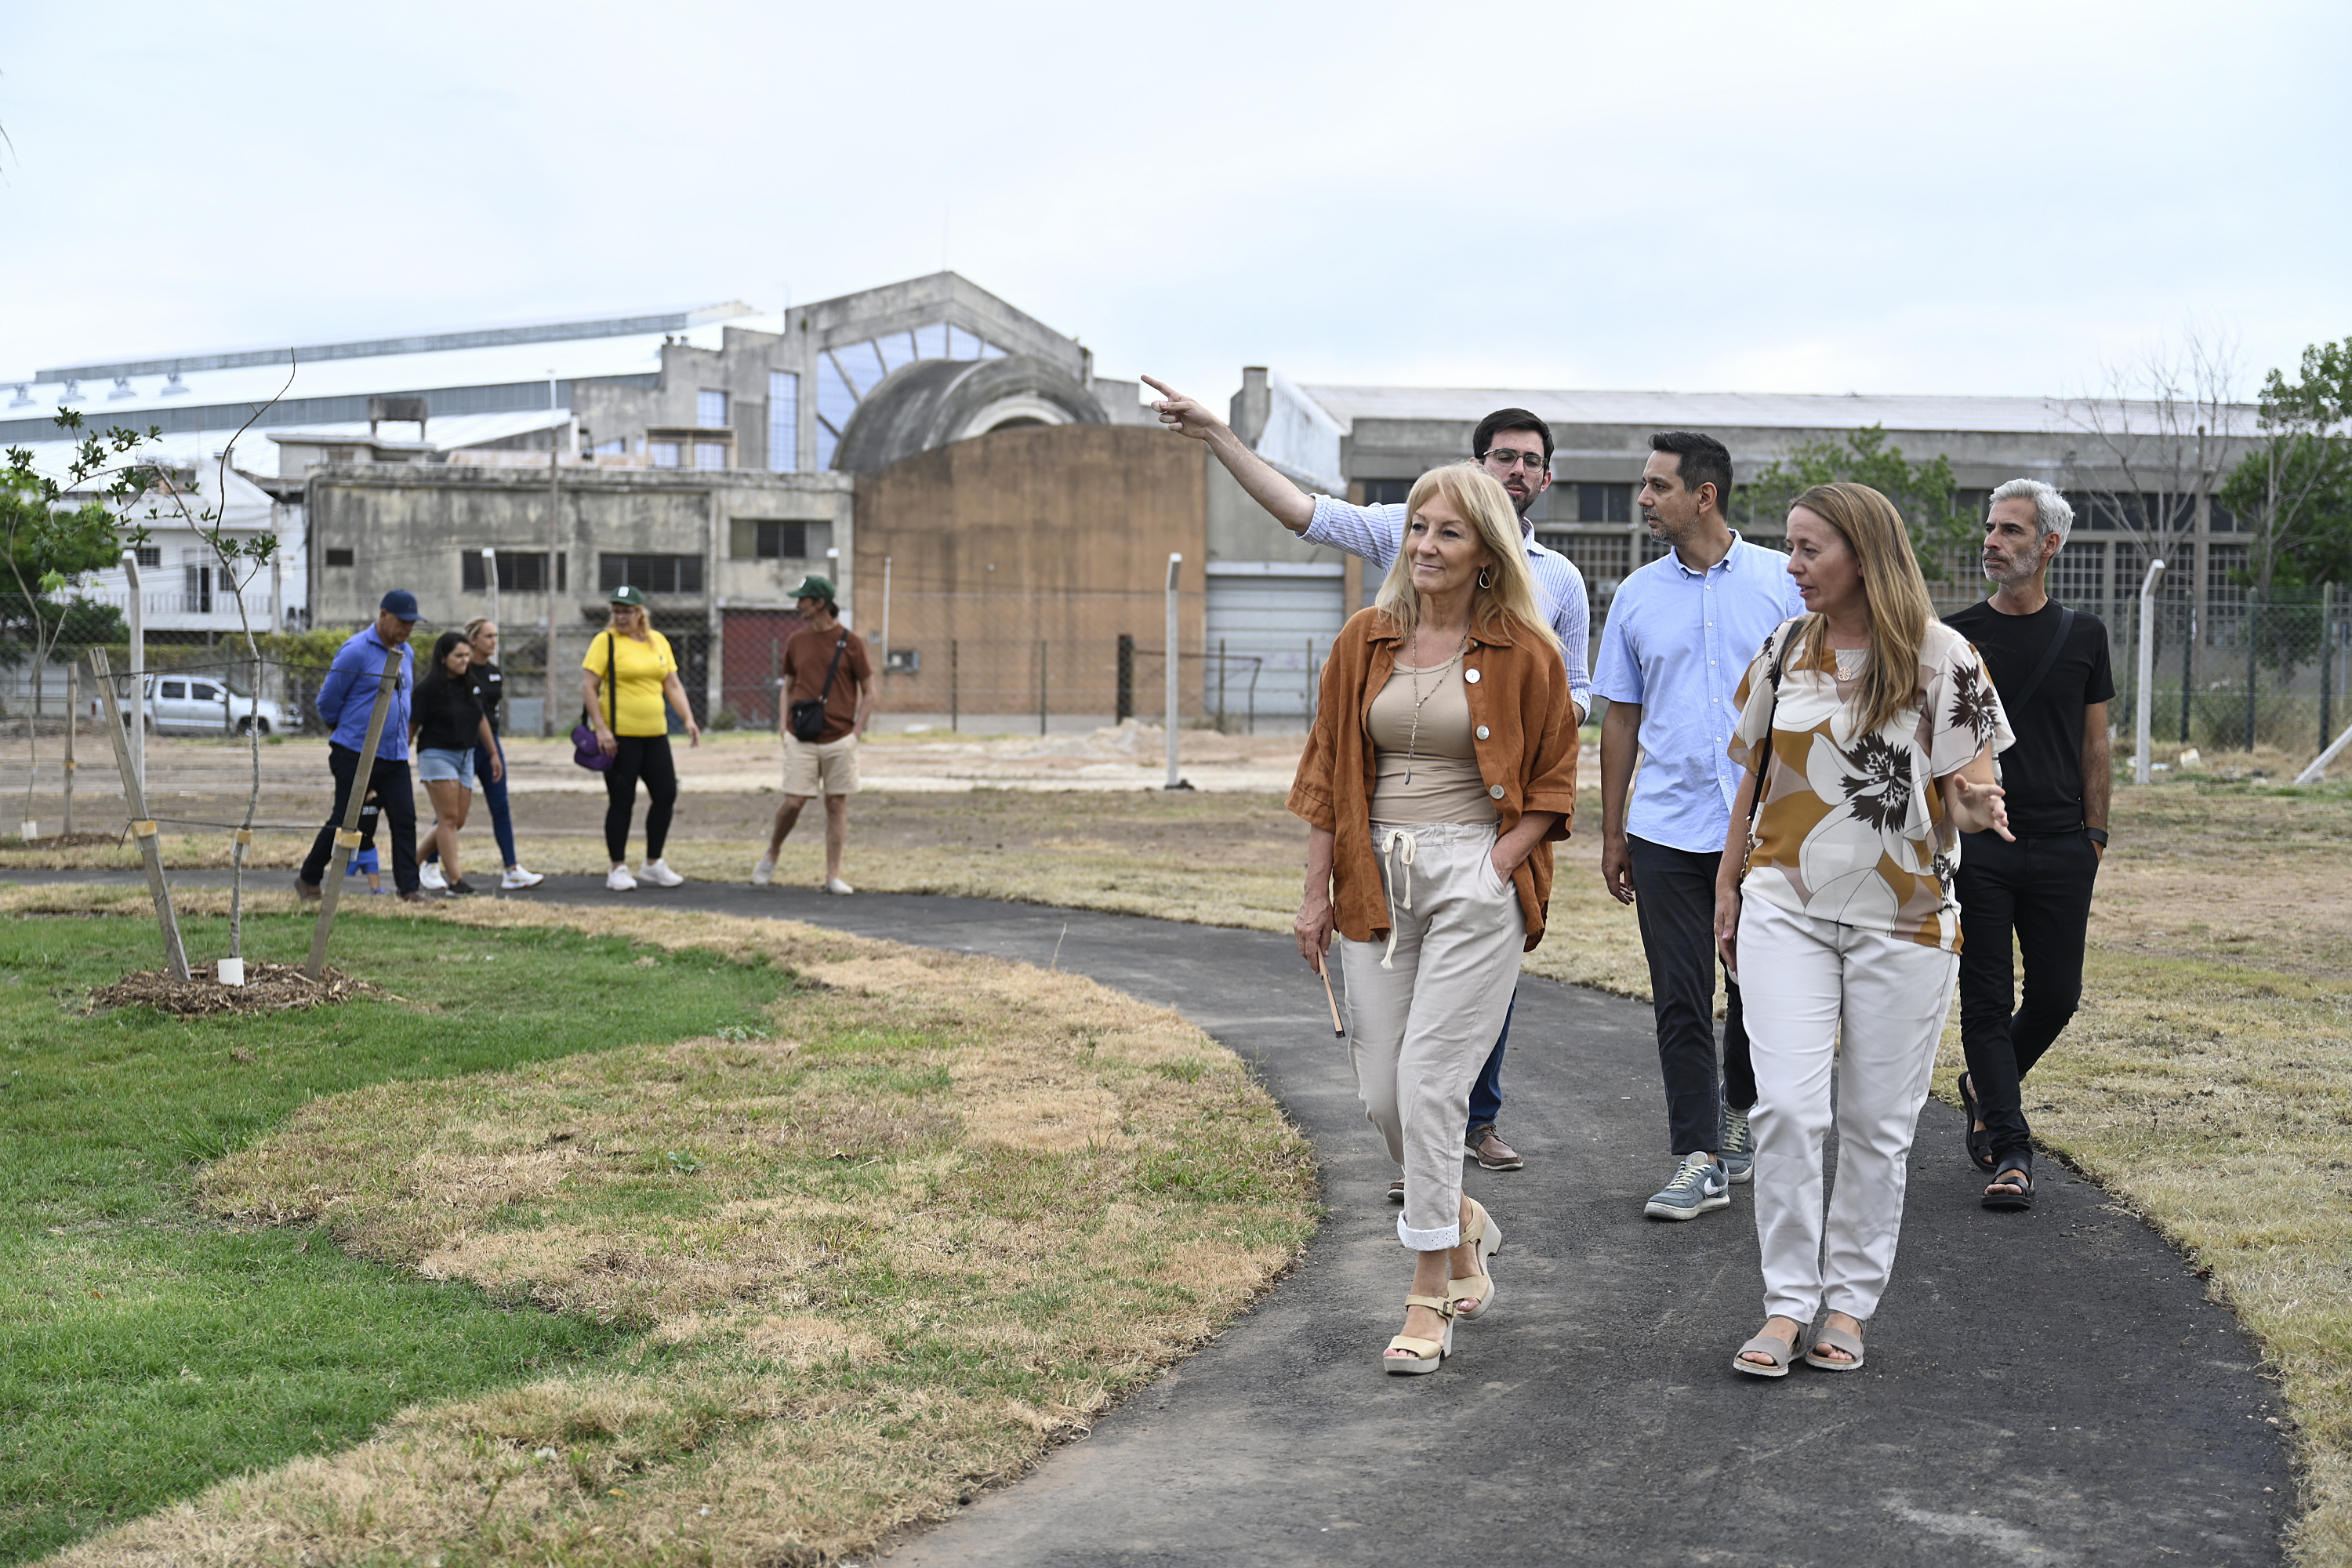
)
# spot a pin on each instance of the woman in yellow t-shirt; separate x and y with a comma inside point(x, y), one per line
point(631, 730)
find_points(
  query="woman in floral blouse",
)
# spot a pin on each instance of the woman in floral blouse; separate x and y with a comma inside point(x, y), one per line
point(1874, 726)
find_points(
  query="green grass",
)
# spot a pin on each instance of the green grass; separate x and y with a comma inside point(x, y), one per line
point(146, 1352)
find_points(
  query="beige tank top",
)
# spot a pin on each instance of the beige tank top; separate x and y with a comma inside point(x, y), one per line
point(1433, 777)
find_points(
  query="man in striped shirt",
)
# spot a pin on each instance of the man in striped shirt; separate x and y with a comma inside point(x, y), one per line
point(1514, 446)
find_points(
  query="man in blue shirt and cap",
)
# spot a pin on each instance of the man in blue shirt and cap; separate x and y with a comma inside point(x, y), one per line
point(346, 701)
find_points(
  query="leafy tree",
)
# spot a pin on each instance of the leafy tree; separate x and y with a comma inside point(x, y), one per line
point(1923, 492)
point(2293, 492)
point(48, 548)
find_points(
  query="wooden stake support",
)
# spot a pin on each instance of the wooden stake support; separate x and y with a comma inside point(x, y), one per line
point(151, 848)
point(348, 839)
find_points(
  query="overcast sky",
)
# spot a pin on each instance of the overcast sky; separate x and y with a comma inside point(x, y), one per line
point(1998, 197)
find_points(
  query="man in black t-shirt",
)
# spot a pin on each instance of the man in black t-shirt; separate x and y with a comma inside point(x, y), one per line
point(2049, 665)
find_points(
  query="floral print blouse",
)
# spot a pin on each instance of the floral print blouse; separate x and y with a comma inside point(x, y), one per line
point(1852, 828)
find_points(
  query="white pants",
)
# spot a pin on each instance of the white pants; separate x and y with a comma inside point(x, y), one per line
point(1424, 1008)
point(1816, 992)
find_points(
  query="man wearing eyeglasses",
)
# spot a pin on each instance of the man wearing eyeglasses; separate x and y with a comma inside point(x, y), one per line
point(1515, 448)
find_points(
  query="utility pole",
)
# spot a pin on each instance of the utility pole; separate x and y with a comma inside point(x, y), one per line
point(2144, 696)
point(547, 720)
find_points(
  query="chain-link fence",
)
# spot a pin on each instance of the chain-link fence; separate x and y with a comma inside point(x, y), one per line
point(2237, 674)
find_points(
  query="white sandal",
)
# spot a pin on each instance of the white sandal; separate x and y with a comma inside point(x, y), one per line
point(1421, 1356)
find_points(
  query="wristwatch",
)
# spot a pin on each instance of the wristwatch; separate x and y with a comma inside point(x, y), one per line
point(2097, 836)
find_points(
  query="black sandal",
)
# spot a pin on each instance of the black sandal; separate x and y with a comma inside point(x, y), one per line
point(1979, 1137)
point(2015, 1173)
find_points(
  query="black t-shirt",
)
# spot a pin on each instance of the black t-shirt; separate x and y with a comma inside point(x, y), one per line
point(448, 715)
point(489, 686)
point(2044, 772)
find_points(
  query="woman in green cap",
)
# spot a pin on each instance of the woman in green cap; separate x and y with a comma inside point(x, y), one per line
point(631, 673)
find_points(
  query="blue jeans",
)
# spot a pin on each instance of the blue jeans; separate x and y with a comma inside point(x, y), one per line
point(1486, 1093)
point(494, 795)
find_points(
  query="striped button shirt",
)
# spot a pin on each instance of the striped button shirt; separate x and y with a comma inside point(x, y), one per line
point(1377, 533)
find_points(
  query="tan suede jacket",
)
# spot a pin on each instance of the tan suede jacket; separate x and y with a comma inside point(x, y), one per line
point(1526, 741)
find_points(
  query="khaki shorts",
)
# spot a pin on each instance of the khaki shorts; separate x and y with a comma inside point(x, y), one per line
point(821, 767)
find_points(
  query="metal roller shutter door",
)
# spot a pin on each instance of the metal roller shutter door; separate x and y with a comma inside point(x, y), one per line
point(1269, 611)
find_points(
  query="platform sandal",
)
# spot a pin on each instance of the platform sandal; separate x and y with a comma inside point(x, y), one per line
point(1472, 1296)
point(1421, 1356)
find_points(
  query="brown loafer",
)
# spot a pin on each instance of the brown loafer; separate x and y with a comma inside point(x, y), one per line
point(1396, 1191)
point(1491, 1153)
point(309, 892)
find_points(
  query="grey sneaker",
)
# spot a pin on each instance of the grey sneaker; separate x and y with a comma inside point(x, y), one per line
point(1737, 1146)
point(1699, 1184)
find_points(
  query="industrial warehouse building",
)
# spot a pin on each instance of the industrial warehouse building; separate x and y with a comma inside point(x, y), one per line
point(999, 519)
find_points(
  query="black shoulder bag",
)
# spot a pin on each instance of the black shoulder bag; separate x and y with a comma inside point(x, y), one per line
point(808, 714)
point(1764, 757)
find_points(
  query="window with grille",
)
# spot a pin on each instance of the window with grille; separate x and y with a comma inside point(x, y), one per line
point(334, 558)
point(768, 539)
point(662, 454)
point(783, 422)
point(1387, 492)
point(653, 574)
point(2079, 576)
point(710, 454)
point(519, 571)
point(1602, 558)
point(710, 410)
point(150, 555)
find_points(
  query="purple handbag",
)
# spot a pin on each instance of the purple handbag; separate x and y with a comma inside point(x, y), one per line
point(584, 750)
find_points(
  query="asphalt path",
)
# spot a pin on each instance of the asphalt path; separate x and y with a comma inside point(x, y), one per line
point(2045, 1388)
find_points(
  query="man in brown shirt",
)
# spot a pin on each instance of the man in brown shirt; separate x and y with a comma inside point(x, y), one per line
point(824, 662)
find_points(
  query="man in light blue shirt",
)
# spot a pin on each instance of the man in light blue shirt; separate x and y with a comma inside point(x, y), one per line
point(346, 701)
point(1515, 448)
point(1682, 631)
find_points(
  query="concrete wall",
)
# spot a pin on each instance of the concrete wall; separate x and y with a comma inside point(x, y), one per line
point(1058, 534)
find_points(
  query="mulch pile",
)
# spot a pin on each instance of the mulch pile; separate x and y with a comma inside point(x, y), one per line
point(67, 841)
point(267, 988)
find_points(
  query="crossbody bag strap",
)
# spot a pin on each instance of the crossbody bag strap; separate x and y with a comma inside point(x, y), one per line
point(1764, 757)
point(825, 691)
point(2049, 662)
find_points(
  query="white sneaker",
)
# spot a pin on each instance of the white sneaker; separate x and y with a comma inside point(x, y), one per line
point(620, 881)
point(517, 877)
point(763, 873)
point(658, 873)
point(836, 885)
point(430, 875)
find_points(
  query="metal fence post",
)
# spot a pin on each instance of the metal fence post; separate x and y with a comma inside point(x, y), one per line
point(73, 711)
point(136, 601)
point(1041, 686)
point(1170, 715)
point(2146, 675)
point(1125, 699)
point(955, 712)
point(2253, 617)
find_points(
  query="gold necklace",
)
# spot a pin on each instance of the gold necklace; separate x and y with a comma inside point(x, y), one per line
point(1412, 674)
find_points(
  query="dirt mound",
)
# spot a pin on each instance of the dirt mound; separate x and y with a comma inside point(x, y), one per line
point(267, 988)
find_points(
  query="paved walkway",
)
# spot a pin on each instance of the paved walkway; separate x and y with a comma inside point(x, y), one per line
point(2045, 1388)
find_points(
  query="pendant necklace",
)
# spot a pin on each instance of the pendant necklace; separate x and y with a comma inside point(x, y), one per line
point(1412, 674)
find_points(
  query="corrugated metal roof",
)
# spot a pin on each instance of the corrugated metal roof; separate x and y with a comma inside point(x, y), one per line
point(1702, 410)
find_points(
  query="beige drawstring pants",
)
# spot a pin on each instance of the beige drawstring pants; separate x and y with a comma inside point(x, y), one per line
point(1424, 1008)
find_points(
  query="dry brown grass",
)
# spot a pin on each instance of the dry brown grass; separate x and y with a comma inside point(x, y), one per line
point(945, 1213)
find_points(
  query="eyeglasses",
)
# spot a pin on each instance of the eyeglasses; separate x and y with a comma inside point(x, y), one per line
point(1505, 460)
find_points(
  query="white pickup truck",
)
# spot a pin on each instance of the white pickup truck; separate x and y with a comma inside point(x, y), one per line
point(201, 705)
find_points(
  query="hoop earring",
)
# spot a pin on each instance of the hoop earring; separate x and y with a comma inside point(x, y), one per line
point(1485, 577)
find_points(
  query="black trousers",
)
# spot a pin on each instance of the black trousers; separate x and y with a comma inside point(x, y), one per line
point(2039, 889)
point(389, 781)
point(1674, 897)
point(643, 757)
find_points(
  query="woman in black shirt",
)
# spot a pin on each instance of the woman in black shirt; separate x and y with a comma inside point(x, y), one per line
point(490, 685)
point(446, 723)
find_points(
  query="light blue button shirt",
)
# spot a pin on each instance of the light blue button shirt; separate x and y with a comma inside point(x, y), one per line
point(1677, 643)
point(1377, 533)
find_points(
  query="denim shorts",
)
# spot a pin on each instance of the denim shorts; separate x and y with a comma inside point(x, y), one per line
point(435, 765)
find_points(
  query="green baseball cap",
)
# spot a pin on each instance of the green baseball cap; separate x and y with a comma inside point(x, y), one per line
point(625, 595)
point(814, 587)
